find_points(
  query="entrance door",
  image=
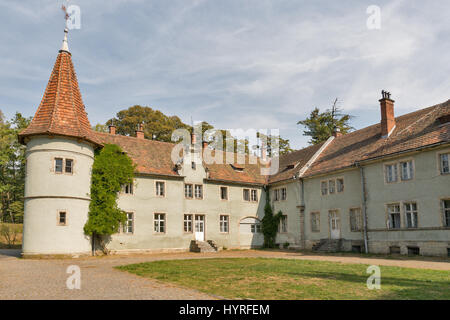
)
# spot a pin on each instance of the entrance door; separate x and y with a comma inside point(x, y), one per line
point(200, 228)
point(335, 224)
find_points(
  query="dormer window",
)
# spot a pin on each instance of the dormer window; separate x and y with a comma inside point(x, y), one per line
point(237, 168)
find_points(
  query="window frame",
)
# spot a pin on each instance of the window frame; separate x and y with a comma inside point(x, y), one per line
point(126, 224)
point(358, 219)
point(187, 221)
point(221, 194)
point(243, 194)
point(191, 191)
point(224, 223)
point(283, 194)
point(445, 211)
point(163, 195)
point(343, 185)
point(155, 220)
point(283, 224)
point(411, 170)
point(332, 182)
point(55, 166)
point(255, 193)
point(72, 161)
point(131, 187)
point(324, 191)
point(389, 213)
point(313, 218)
point(395, 166)
point(415, 214)
point(440, 162)
point(58, 218)
point(200, 197)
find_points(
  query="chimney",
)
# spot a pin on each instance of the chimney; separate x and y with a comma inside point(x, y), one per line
point(387, 114)
point(140, 132)
point(336, 132)
point(204, 145)
point(112, 129)
point(193, 138)
point(263, 151)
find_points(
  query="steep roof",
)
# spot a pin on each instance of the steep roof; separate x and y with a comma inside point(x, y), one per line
point(61, 111)
point(413, 130)
point(150, 156)
point(291, 163)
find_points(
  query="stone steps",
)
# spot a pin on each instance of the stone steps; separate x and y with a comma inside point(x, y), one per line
point(328, 245)
point(203, 246)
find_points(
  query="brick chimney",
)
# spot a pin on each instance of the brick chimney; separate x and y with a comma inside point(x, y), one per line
point(193, 138)
point(387, 114)
point(336, 132)
point(204, 145)
point(140, 132)
point(112, 129)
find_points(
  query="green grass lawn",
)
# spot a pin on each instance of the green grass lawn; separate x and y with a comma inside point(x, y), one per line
point(285, 279)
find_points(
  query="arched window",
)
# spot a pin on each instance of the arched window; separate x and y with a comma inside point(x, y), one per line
point(250, 225)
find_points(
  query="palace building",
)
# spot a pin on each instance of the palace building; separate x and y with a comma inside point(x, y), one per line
point(381, 189)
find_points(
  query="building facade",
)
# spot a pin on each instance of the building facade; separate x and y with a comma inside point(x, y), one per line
point(380, 189)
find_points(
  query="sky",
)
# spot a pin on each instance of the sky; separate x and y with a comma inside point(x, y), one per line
point(249, 64)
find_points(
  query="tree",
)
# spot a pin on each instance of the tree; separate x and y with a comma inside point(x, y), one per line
point(100, 128)
point(12, 168)
point(321, 125)
point(269, 224)
point(157, 125)
point(111, 170)
point(283, 145)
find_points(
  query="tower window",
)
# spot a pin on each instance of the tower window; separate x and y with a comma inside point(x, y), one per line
point(58, 165)
point(69, 165)
point(62, 218)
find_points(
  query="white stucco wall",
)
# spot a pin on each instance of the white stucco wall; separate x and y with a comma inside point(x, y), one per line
point(47, 193)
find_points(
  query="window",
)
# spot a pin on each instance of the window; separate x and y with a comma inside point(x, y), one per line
point(331, 186)
point(446, 208)
point(255, 228)
point(254, 194)
point(193, 165)
point(160, 223)
point(128, 188)
point(58, 165)
point(62, 218)
point(391, 173)
point(411, 215)
point(276, 194)
point(129, 223)
point(283, 194)
point(324, 187)
point(407, 171)
point(355, 219)
point(188, 191)
point(394, 216)
point(445, 164)
point(246, 194)
point(198, 191)
point(187, 223)
point(224, 224)
point(315, 221)
point(160, 188)
point(224, 193)
point(69, 165)
point(340, 185)
point(282, 226)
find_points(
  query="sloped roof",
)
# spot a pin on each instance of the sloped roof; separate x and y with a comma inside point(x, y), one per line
point(61, 111)
point(291, 163)
point(413, 130)
point(150, 156)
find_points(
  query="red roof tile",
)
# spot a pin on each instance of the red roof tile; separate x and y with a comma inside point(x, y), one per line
point(61, 111)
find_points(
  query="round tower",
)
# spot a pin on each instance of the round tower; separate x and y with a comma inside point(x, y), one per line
point(59, 157)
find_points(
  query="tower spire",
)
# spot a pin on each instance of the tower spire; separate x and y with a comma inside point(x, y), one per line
point(65, 44)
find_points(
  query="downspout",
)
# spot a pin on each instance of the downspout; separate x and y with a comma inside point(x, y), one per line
point(303, 214)
point(364, 211)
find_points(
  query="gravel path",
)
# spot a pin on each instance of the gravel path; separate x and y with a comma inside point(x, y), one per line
point(46, 279)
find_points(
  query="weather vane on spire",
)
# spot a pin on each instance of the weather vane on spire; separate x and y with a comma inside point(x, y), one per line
point(72, 15)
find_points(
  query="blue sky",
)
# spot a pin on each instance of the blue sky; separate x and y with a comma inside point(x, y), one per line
point(235, 64)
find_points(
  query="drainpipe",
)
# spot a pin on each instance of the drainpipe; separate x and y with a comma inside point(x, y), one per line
point(303, 214)
point(364, 211)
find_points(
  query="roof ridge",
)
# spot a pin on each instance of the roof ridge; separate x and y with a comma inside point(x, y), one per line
point(435, 109)
point(55, 106)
